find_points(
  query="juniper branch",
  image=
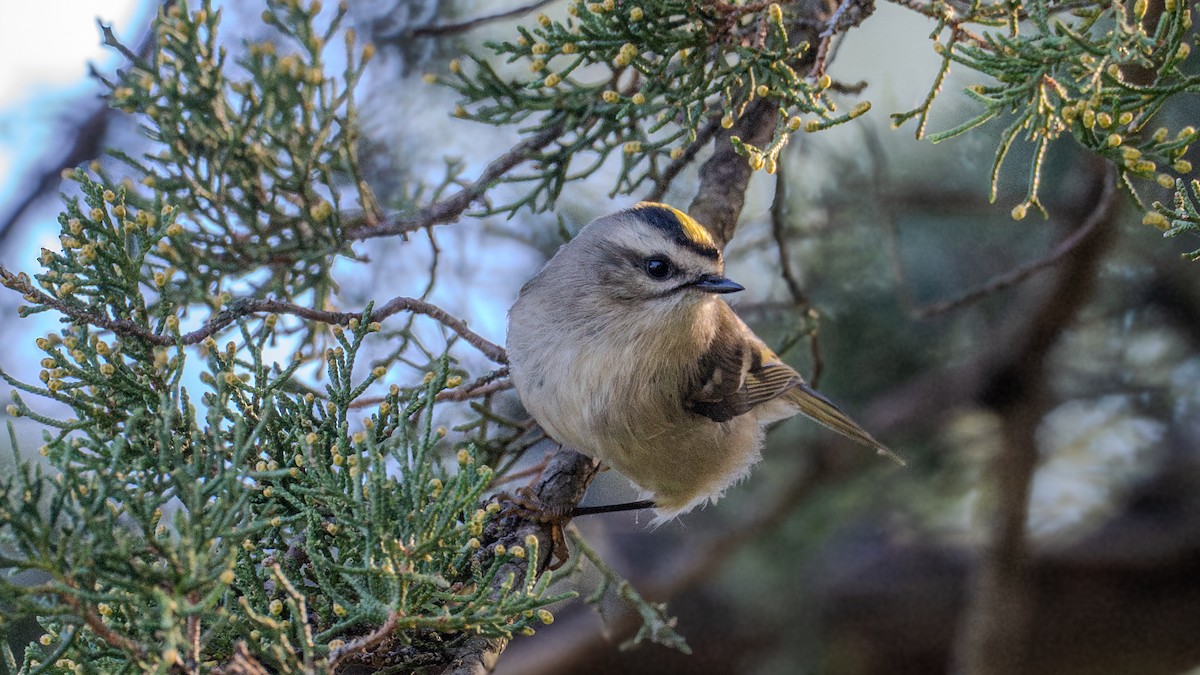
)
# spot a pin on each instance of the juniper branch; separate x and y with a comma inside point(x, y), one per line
point(102, 630)
point(491, 383)
point(364, 643)
point(450, 209)
point(245, 307)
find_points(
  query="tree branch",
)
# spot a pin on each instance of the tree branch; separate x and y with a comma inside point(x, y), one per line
point(562, 485)
point(245, 307)
point(450, 209)
point(1023, 272)
point(778, 231)
point(724, 177)
point(438, 30)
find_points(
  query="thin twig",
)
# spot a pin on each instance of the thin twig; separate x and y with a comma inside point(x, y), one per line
point(957, 32)
point(432, 30)
point(837, 22)
point(450, 209)
point(472, 389)
point(799, 296)
point(111, 40)
point(102, 631)
point(461, 394)
point(193, 636)
point(242, 663)
point(778, 218)
point(1019, 274)
point(466, 393)
point(247, 306)
point(365, 642)
point(534, 470)
point(848, 88)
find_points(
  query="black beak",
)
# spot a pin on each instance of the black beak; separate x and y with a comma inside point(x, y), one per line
point(714, 283)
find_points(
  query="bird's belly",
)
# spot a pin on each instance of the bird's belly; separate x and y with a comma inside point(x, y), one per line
point(616, 410)
point(679, 458)
point(691, 464)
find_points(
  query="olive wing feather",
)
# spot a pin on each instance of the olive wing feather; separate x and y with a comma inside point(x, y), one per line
point(737, 374)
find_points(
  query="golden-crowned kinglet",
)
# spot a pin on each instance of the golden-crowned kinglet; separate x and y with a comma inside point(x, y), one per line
point(621, 349)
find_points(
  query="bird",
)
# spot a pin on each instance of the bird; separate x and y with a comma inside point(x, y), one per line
point(623, 348)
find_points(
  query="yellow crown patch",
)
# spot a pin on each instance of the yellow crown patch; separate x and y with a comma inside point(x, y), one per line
point(695, 232)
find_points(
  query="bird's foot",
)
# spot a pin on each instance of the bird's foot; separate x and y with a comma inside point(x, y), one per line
point(526, 505)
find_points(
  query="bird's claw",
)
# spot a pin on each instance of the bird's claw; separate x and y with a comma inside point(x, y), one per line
point(526, 505)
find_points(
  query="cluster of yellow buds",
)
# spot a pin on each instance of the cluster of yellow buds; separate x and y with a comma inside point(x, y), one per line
point(625, 56)
point(1157, 220)
point(475, 524)
point(760, 160)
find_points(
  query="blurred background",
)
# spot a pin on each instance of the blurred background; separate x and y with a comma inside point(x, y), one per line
point(827, 560)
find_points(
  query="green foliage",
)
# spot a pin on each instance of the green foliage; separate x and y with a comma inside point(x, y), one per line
point(642, 80)
point(1100, 72)
point(158, 531)
point(154, 518)
point(260, 156)
point(657, 626)
point(1182, 216)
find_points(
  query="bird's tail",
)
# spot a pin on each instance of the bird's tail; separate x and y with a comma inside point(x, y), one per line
point(820, 409)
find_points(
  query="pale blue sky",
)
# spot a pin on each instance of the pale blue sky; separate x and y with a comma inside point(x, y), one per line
point(44, 51)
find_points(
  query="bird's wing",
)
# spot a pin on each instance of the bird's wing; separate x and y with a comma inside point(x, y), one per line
point(739, 373)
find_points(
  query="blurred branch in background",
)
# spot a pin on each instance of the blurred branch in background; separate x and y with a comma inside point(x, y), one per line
point(997, 629)
point(86, 136)
point(444, 29)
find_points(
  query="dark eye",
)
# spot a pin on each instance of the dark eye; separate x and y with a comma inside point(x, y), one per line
point(658, 268)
